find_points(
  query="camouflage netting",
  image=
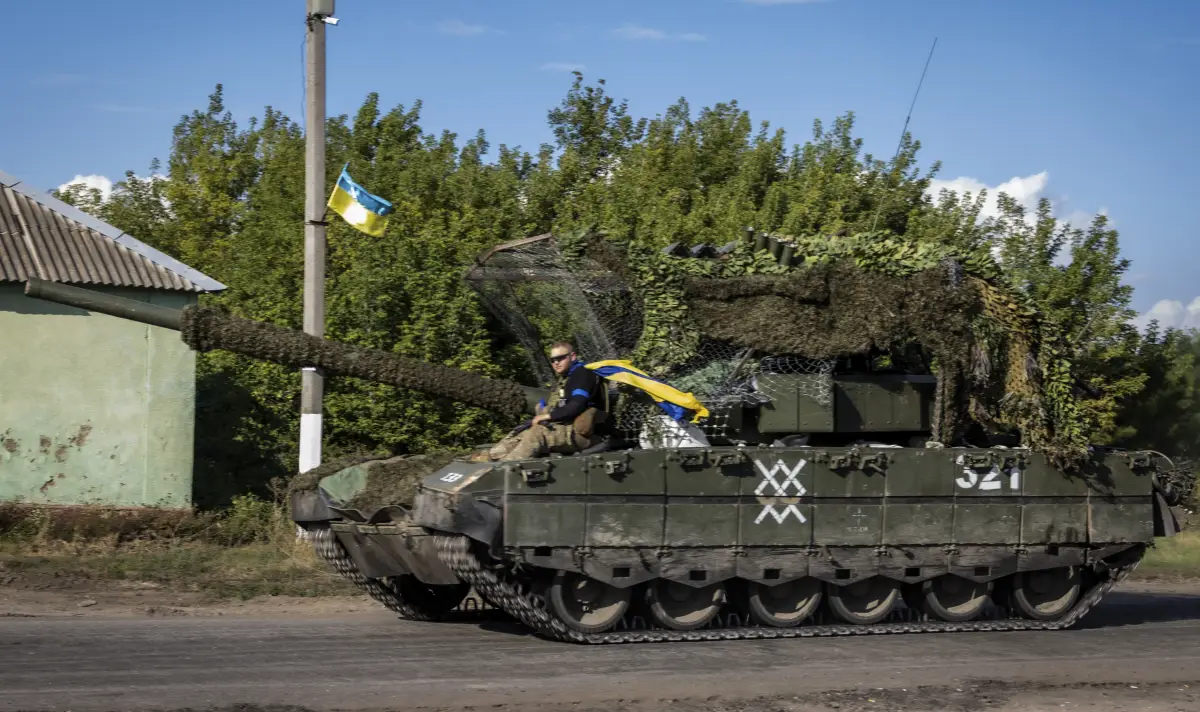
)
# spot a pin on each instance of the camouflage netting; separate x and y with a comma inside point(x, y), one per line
point(710, 320)
point(308, 481)
point(832, 311)
point(207, 328)
point(390, 481)
point(394, 481)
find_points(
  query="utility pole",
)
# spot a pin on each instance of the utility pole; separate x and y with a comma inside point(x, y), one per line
point(318, 14)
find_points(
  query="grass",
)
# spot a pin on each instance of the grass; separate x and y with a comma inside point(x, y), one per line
point(249, 550)
point(240, 572)
point(1175, 557)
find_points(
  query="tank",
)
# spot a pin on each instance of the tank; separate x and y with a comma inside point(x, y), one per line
point(821, 496)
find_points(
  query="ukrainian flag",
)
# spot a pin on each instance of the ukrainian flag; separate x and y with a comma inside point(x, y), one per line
point(358, 207)
point(672, 400)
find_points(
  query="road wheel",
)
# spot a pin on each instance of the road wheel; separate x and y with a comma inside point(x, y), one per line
point(1046, 594)
point(681, 607)
point(585, 604)
point(786, 604)
point(954, 598)
point(864, 602)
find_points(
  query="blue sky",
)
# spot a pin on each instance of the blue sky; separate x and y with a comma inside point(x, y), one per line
point(1092, 104)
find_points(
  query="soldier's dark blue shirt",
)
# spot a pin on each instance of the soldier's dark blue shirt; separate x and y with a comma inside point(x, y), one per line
point(582, 390)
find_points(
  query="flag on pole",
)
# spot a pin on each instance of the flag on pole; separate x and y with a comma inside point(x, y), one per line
point(366, 212)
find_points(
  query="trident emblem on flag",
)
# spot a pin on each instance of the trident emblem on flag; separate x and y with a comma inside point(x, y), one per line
point(779, 489)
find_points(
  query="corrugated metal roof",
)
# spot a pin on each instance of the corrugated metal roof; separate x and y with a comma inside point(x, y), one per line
point(41, 236)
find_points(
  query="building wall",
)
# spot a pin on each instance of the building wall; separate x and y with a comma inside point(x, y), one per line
point(94, 409)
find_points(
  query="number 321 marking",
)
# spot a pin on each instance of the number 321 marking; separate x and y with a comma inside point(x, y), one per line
point(991, 480)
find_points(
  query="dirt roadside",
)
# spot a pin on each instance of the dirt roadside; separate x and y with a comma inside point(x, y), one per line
point(994, 696)
point(48, 595)
point(42, 594)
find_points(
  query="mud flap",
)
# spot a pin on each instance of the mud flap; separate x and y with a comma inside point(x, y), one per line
point(397, 549)
point(311, 507)
point(1165, 523)
point(459, 514)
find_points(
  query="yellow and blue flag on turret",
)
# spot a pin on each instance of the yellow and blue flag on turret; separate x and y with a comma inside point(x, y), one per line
point(366, 212)
point(675, 402)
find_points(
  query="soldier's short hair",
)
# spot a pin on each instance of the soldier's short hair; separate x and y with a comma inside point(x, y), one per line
point(570, 347)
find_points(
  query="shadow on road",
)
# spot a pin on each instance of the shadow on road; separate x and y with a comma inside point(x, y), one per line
point(1116, 610)
point(1136, 608)
point(505, 625)
point(486, 618)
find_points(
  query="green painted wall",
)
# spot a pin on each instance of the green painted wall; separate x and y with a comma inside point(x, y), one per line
point(94, 409)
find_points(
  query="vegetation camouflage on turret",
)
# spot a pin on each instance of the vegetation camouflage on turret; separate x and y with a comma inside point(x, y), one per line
point(873, 294)
point(394, 481)
point(307, 481)
point(389, 481)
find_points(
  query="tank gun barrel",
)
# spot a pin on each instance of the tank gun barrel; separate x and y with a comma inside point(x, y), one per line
point(205, 329)
point(90, 300)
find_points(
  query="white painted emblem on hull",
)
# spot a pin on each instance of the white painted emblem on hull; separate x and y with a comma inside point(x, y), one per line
point(771, 486)
point(991, 479)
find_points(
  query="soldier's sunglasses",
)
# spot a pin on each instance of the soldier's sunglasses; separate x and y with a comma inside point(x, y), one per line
point(556, 359)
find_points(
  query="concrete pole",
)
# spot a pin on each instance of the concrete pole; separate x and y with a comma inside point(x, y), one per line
point(313, 381)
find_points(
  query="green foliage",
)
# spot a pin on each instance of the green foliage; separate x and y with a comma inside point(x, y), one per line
point(248, 520)
point(1165, 415)
point(231, 204)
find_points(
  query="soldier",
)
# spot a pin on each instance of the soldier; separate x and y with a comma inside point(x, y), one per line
point(575, 423)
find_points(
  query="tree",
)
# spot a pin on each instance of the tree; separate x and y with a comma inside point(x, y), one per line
point(1165, 414)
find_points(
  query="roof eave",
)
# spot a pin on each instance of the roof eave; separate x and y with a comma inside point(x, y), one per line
point(196, 277)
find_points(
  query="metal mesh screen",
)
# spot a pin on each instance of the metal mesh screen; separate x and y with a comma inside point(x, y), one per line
point(540, 298)
point(530, 289)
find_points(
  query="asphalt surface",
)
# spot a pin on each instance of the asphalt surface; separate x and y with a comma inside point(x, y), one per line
point(374, 661)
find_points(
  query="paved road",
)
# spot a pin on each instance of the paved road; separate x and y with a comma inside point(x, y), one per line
point(375, 661)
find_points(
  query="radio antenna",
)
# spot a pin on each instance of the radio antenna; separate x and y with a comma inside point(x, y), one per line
point(900, 143)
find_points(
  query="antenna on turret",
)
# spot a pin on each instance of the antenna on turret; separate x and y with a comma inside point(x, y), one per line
point(903, 131)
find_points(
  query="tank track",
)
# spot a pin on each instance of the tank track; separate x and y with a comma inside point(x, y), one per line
point(506, 591)
point(333, 553)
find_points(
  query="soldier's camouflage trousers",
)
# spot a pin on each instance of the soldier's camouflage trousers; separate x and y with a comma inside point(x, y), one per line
point(539, 441)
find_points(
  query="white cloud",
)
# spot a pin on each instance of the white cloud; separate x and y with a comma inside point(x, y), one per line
point(562, 67)
point(1171, 313)
point(101, 183)
point(637, 32)
point(1078, 218)
point(106, 186)
point(632, 31)
point(1192, 320)
point(1025, 191)
point(458, 28)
